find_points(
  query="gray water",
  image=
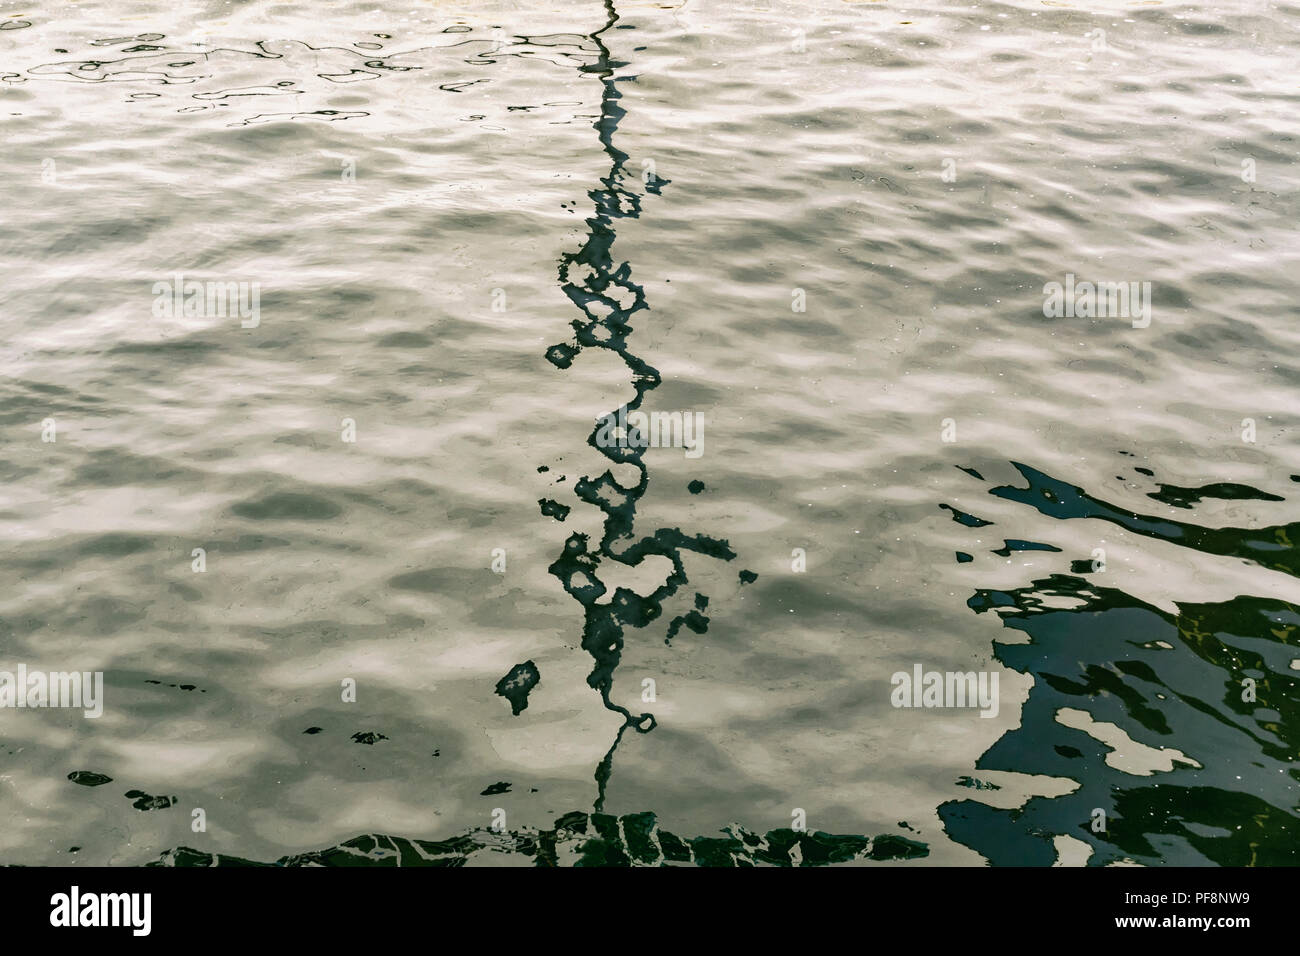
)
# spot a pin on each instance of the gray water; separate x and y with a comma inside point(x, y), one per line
point(826, 229)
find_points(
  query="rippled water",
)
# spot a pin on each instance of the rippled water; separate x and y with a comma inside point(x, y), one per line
point(826, 229)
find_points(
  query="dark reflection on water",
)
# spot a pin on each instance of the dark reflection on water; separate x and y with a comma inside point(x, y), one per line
point(193, 60)
point(1225, 792)
point(1271, 547)
point(607, 297)
point(781, 192)
point(581, 839)
point(603, 291)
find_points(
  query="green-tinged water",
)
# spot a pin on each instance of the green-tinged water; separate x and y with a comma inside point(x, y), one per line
point(589, 840)
point(359, 542)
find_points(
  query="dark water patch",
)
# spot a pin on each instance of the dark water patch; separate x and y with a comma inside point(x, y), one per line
point(144, 802)
point(1010, 545)
point(1181, 729)
point(518, 684)
point(442, 580)
point(405, 340)
point(287, 506)
point(492, 790)
point(116, 545)
point(10, 472)
point(1177, 685)
point(323, 116)
point(963, 518)
point(194, 348)
point(177, 686)
point(184, 592)
point(591, 840)
point(1270, 547)
point(117, 468)
point(88, 778)
point(246, 543)
point(693, 620)
point(311, 440)
point(1199, 28)
point(1181, 497)
point(104, 613)
point(553, 509)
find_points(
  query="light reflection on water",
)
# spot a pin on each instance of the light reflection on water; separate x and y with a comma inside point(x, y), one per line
point(387, 178)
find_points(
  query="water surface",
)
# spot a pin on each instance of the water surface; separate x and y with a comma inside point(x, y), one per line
point(478, 228)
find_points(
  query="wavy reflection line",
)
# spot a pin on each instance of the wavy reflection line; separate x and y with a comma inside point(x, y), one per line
point(603, 291)
point(1271, 547)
